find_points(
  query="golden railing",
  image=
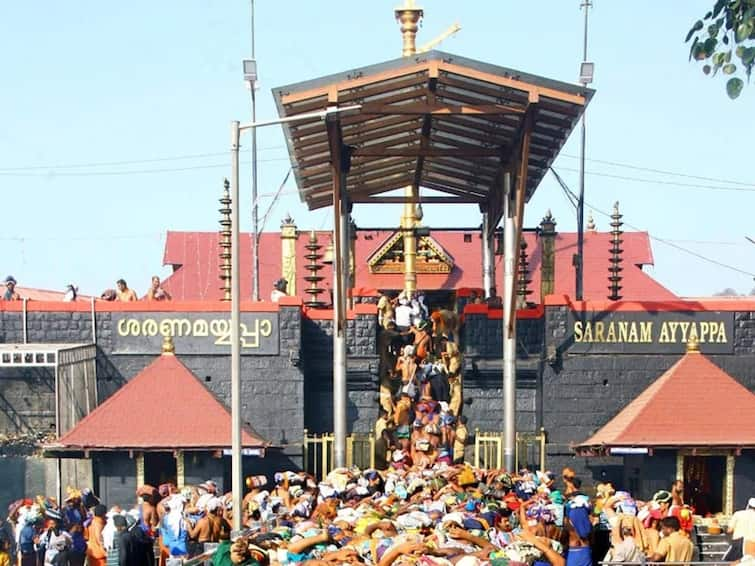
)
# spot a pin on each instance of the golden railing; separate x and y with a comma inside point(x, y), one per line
point(318, 452)
point(529, 451)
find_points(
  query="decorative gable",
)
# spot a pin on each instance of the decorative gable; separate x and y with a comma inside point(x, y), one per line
point(431, 257)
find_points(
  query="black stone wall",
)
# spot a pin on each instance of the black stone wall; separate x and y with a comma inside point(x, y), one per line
point(115, 478)
point(744, 478)
point(482, 337)
point(571, 395)
point(201, 466)
point(582, 392)
point(361, 374)
point(272, 386)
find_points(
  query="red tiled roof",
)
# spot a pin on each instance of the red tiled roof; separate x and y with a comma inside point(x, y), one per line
point(164, 406)
point(194, 256)
point(693, 404)
point(45, 294)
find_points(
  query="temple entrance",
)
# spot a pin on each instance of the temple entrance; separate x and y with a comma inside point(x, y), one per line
point(440, 299)
point(159, 468)
point(704, 479)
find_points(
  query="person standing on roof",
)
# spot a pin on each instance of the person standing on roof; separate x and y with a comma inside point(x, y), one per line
point(10, 293)
point(156, 291)
point(279, 290)
point(124, 294)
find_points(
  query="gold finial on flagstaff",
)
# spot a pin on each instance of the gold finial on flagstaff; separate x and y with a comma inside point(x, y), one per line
point(409, 16)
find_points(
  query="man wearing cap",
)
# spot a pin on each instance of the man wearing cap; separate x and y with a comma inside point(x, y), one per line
point(55, 540)
point(741, 528)
point(10, 293)
point(579, 528)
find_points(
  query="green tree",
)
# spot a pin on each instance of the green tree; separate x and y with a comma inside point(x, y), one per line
point(725, 40)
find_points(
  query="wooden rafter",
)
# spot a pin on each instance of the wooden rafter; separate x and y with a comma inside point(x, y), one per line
point(440, 108)
point(521, 193)
point(352, 83)
point(514, 83)
point(425, 200)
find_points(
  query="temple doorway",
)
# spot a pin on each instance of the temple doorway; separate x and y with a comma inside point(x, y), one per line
point(704, 483)
point(160, 468)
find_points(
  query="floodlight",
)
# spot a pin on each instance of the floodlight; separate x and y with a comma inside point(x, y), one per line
point(586, 71)
point(250, 70)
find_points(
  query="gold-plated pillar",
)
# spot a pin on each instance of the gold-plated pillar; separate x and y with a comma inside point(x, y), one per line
point(289, 235)
point(680, 465)
point(408, 221)
point(409, 16)
point(180, 469)
point(139, 469)
point(729, 486)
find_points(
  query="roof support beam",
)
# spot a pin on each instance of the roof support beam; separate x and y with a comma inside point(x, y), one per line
point(521, 194)
point(340, 163)
point(424, 143)
point(512, 164)
point(431, 107)
point(425, 152)
point(423, 200)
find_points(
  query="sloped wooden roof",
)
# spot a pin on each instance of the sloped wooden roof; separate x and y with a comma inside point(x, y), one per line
point(434, 120)
point(165, 407)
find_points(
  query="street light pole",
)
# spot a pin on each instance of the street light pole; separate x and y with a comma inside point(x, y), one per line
point(236, 461)
point(585, 78)
point(237, 484)
point(255, 204)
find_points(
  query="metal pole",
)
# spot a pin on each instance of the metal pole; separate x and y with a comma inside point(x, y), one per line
point(94, 323)
point(255, 205)
point(340, 235)
point(236, 462)
point(23, 321)
point(581, 201)
point(488, 277)
point(509, 330)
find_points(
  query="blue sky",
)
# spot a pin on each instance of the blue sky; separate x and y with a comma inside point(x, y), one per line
point(93, 82)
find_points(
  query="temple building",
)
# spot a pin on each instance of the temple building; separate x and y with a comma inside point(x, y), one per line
point(87, 396)
point(163, 426)
point(450, 262)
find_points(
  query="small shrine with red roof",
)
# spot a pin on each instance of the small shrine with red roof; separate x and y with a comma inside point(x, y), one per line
point(695, 412)
point(163, 426)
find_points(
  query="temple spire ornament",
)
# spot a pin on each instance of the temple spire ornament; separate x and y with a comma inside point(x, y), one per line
point(225, 241)
point(409, 16)
point(590, 222)
point(523, 277)
point(313, 257)
point(615, 268)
